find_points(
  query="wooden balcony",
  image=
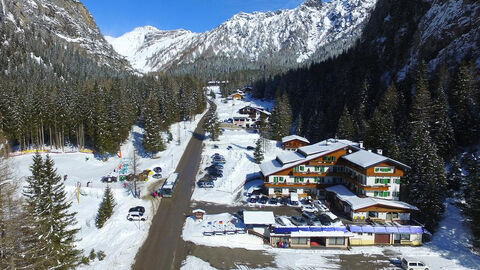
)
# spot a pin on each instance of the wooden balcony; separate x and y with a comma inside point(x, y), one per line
point(375, 188)
point(290, 185)
point(309, 174)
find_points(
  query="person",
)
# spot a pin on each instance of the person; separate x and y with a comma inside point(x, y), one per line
point(65, 177)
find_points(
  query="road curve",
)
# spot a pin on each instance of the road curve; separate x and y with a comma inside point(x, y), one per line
point(163, 247)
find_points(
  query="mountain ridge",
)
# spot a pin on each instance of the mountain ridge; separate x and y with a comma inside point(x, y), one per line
point(285, 38)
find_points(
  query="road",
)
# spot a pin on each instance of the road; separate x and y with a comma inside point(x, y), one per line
point(164, 248)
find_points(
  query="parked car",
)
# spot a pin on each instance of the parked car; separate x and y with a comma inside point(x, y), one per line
point(308, 215)
point(216, 155)
point(412, 264)
point(157, 170)
point(109, 179)
point(157, 176)
point(209, 177)
point(205, 184)
point(280, 221)
point(263, 200)
point(140, 209)
point(283, 201)
point(309, 208)
point(252, 199)
point(273, 201)
point(325, 219)
point(298, 221)
point(136, 216)
point(320, 206)
point(215, 146)
point(251, 148)
point(292, 203)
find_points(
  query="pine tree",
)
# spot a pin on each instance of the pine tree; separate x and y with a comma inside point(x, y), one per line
point(472, 197)
point(455, 176)
point(381, 130)
point(441, 126)
point(346, 126)
point(46, 200)
point(258, 154)
point(281, 118)
point(105, 211)
point(152, 137)
point(465, 114)
point(426, 180)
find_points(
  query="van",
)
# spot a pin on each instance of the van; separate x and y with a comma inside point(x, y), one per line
point(412, 264)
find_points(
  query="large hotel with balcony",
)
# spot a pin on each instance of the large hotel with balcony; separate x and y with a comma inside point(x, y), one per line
point(313, 168)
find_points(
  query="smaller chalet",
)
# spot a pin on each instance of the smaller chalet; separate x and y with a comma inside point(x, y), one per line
point(361, 209)
point(237, 95)
point(258, 221)
point(293, 142)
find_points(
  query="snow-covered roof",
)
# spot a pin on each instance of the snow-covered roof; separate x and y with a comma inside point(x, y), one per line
point(258, 217)
point(198, 210)
point(367, 159)
point(325, 146)
point(321, 234)
point(294, 137)
point(356, 202)
point(289, 157)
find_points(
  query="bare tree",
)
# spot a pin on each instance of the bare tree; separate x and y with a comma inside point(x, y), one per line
point(135, 167)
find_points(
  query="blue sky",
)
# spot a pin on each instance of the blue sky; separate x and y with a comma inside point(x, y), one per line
point(115, 17)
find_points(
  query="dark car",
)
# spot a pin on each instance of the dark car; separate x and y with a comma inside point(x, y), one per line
point(109, 179)
point(139, 209)
point(283, 201)
point(298, 221)
point(209, 177)
point(279, 221)
point(251, 148)
point(157, 176)
point(229, 147)
point(263, 200)
point(273, 201)
point(252, 199)
point(215, 146)
point(325, 219)
point(216, 155)
point(157, 170)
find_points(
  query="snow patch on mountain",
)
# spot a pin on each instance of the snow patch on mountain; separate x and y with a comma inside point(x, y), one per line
point(292, 34)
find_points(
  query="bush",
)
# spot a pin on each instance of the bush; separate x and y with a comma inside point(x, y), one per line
point(101, 255)
point(92, 255)
point(85, 260)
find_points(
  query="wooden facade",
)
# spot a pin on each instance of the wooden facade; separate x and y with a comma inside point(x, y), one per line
point(293, 144)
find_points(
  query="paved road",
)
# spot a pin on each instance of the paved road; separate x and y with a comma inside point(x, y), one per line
point(164, 248)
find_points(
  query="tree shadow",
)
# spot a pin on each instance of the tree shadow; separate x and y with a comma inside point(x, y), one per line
point(137, 144)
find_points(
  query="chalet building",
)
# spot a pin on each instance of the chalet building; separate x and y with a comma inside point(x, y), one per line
point(313, 236)
point(312, 168)
point(361, 209)
point(293, 142)
point(237, 95)
point(385, 234)
point(250, 117)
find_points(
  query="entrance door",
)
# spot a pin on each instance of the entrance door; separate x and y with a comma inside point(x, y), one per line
point(382, 239)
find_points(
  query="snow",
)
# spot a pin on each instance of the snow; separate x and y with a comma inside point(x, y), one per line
point(240, 166)
point(367, 159)
point(294, 137)
point(119, 238)
point(249, 36)
point(258, 217)
point(193, 232)
point(194, 263)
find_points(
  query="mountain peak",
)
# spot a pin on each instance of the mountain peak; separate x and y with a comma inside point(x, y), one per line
point(313, 3)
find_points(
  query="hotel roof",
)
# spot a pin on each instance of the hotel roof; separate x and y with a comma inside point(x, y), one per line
point(294, 137)
point(367, 159)
point(356, 203)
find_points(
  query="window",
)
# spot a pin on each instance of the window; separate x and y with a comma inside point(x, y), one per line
point(398, 181)
point(404, 236)
point(302, 179)
point(360, 233)
point(295, 169)
point(302, 168)
point(316, 168)
point(377, 180)
point(275, 179)
point(373, 214)
point(281, 179)
point(336, 241)
point(375, 193)
point(299, 241)
point(395, 215)
point(296, 179)
point(386, 181)
point(370, 233)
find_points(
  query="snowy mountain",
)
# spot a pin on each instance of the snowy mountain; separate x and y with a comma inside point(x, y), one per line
point(68, 20)
point(282, 39)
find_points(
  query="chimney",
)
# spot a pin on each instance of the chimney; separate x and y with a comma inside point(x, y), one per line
point(380, 151)
point(360, 144)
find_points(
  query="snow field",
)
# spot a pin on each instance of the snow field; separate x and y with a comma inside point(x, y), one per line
point(120, 239)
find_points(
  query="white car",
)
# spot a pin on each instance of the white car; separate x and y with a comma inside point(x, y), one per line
point(135, 215)
point(309, 209)
point(412, 264)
